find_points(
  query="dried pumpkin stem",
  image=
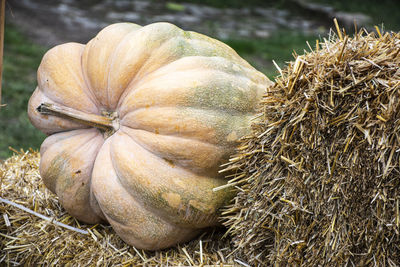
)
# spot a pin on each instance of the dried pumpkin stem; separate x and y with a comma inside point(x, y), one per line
point(105, 123)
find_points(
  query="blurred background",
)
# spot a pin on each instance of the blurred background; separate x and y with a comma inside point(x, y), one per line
point(259, 30)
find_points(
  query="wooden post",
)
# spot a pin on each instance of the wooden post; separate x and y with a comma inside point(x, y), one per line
point(2, 18)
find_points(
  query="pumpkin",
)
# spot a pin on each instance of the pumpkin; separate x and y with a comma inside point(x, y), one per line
point(138, 122)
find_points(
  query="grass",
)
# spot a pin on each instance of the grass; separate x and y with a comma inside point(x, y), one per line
point(278, 47)
point(383, 11)
point(21, 59)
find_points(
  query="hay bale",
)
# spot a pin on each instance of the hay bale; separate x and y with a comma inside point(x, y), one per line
point(29, 240)
point(319, 178)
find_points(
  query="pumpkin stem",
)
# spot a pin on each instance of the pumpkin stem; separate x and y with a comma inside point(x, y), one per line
point(108, 124)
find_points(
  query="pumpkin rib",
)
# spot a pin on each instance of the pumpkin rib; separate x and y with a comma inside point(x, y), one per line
point(132, 211)
point(121, 185)
point(166, 135)
point(200, 108)
point(200, 96)
point(50, 144)
point(133, 85)
point(197, 204)
point(155, 146)
point(211, 67)
point(54, 138)
point(194, 123)
point(180, 236)
point(238, 61)
point(148, 54)
point(196, 53)
point(138, 202)
point(154, 54)
point(207, 40)
point(118, 180)
point(85, 74)
point(130, 86)
point(111, 61)
point(109, 66)
point(68, 201)
point(49, 80)
point(94, 49)
point(88, 87)
point(67, 168)
point(136, 76)
point(93, 202)
point(86, 90)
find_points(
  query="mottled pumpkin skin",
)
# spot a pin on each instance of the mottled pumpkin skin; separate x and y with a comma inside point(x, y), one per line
point(181, 100)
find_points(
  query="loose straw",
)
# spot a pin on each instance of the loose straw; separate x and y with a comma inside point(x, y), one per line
point(2, 18)
point(43, 217)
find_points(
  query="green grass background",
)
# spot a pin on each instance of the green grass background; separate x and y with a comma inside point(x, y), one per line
point(20, 62)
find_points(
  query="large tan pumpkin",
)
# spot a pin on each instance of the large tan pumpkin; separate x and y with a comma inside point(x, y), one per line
point(139, 121)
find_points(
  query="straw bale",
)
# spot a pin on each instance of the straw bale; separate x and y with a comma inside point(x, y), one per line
point(318, 180)
point(26, 239)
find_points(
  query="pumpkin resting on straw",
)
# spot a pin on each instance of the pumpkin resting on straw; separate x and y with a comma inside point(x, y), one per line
point(139, 120)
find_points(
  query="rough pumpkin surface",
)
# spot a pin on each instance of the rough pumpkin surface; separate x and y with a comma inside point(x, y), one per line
point(176, 102)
